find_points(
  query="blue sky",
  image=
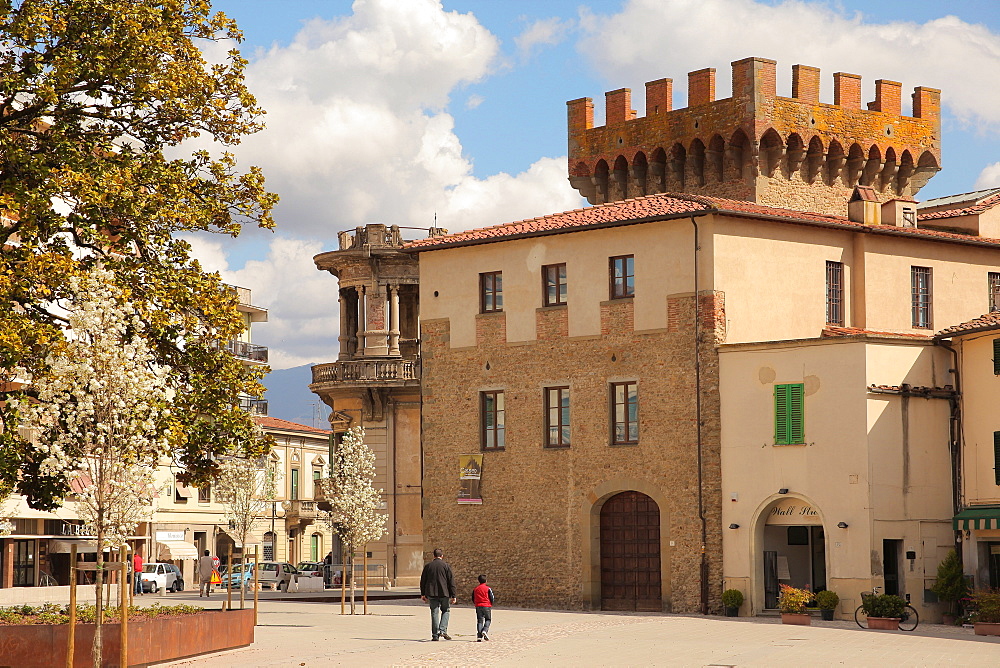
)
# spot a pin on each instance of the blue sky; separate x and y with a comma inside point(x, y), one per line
point(396, 110)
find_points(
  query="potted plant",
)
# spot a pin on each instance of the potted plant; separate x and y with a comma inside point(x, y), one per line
point(986, 619)
point(950, 586)
point(792, 604)
point(827, 601)
point(883, 611)
point(732, 599)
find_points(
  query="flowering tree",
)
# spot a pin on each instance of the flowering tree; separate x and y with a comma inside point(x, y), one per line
point(355, 505)
point(245, 487)
point(100, 416)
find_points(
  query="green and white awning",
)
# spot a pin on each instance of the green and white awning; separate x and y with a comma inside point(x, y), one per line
point(987, 517)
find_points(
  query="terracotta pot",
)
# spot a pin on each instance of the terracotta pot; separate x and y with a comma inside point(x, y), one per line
point(948, 620)
point(986, 628)
point(799, 618)
point(826, 615)
point(884, 623)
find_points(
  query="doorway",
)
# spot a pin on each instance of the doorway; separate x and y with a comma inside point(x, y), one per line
point(891, 550)
point(794, 555)
point(994, 564)
point(630, 553)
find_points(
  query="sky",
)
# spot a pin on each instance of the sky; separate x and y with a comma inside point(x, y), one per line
point(397, 111)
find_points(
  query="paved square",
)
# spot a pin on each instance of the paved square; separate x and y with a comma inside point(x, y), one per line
point(397, 633)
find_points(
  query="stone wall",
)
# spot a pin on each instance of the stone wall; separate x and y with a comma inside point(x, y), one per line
point(533, 535)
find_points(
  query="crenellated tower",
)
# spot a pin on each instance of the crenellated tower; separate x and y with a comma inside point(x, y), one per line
point(792, 152)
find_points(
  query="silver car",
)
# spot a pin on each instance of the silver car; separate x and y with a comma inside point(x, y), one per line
point(161, 576)
point(273, 575)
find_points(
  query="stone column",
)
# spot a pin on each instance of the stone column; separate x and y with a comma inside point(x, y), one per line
point(359, 347)
point(394, 320)
point(376, 333)
point(345, 336)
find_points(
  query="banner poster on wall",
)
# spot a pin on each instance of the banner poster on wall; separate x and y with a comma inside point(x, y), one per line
point(470, 475)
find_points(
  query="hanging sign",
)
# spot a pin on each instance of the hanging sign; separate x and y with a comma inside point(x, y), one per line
point(793, 512)
point(470, 475)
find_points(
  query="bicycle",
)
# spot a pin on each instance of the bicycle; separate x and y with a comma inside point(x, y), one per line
point(907, 621)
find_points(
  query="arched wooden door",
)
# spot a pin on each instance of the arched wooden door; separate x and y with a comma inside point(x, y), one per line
point(630, 553)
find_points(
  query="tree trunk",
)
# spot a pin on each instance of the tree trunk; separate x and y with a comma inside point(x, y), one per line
point(352, 580)
point(97, 651)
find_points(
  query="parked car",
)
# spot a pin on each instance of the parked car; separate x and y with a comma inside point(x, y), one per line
point(311, 568)
point(273, 574)
point(161, 576)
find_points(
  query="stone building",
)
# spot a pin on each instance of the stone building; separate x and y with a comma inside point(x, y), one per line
point(733, 383)
point(375, 382)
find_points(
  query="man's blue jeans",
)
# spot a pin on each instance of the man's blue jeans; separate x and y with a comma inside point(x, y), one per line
point(440, 611)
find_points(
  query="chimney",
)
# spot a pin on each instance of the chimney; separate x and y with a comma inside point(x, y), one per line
point(701, 86)
point(863, 206)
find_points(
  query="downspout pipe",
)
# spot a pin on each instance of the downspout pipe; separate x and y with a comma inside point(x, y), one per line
point(697, 415)
point(956, 434)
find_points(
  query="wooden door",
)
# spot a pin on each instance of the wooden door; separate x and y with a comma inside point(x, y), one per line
point(630, 553)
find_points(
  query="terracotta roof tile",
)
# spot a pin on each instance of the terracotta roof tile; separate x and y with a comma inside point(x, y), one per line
point(666, 205)
point(984, 322)
point(835, 332)
point(266, 422)
point(959, 210)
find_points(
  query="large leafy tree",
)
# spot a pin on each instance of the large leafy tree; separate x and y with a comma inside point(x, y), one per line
point(97, 98)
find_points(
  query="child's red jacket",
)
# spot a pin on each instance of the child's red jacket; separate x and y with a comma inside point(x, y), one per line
point(482, 596)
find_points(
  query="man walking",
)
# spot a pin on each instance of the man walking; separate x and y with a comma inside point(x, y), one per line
point(437, 587)
point(206, 565)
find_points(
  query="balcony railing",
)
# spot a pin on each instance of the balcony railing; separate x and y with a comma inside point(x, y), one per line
point(254, 406)
point(362, 371)
point(300, 509)
point(247, 351)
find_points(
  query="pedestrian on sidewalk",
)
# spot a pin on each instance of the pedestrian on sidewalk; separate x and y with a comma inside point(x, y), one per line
point(206, 566)
point(137, 572)
point(482, 598)
point(437, 587)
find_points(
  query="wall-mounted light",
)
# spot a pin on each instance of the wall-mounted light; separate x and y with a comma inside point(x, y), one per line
point(783, 490)
point(734, 526)
point(841, 525)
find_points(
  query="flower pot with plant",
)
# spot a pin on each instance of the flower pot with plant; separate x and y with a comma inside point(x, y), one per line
point(986, 618)
point(732, 599)
point(792, 604)
point(883, 611)
point(827, 601)
point(950, 586)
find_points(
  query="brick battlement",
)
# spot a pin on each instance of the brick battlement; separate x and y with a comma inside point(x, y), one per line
point(794, 151)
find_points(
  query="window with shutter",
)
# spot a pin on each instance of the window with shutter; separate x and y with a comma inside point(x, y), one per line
point(996, 457)
point(996, 357)
point(789, 415)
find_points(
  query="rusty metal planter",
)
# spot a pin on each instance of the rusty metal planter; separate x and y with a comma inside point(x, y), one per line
point(149, 642)
point(986, 628)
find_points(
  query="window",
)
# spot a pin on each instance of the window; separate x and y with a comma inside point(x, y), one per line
point(491, 415)
point(557, 417)
point(315, 546)
point(205, 493)
point(294, 496)
point(491, 292)
point(994, 296)
point(622, 276)
point(317, 473)
point(920, 283)
point(996, 357)
point(553, 285)
point(268, 546)
point(624, 413)
point(788, 414)
point(834, 293)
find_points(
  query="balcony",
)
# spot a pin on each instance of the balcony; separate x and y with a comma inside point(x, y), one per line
point(250, 352)
point(391, 371)
point(300, 510)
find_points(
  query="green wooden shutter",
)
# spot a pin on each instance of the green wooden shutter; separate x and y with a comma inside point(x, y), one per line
point(996, 357)
point(996, 457)
point(789, 417)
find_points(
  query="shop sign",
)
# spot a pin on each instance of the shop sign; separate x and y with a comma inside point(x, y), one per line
point(793, 512)
point(169, 535)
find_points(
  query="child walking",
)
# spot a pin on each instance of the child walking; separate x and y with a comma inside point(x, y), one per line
point(482, 597)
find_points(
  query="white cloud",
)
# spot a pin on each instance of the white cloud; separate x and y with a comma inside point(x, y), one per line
point(474, 101)
point(544, 32)
point(650, 39)
point(989, 177)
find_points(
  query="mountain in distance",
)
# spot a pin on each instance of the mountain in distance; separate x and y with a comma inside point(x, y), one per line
point(288, 397)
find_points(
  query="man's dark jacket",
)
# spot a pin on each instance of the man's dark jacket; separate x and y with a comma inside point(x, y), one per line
point(437, 580)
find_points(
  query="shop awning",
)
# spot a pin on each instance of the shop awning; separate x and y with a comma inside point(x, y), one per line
point(176, 549)
point(977, 518)
point(59, 546)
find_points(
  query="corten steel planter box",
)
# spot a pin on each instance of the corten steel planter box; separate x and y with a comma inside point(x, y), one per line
point(986, 628)
point(797, 618)
point(149, 642)
point(884, 623)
